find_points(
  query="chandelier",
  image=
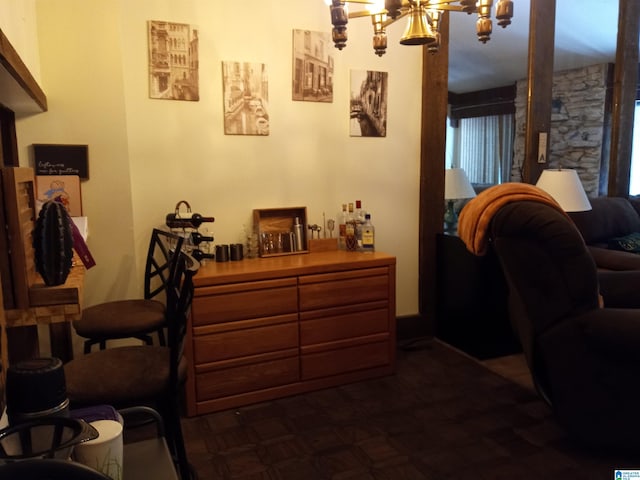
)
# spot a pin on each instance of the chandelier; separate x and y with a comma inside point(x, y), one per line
point(423, 23)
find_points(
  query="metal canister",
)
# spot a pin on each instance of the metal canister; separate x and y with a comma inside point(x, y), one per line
point(36, 388)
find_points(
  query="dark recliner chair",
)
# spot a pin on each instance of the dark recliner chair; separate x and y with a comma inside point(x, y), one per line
point(584, 358)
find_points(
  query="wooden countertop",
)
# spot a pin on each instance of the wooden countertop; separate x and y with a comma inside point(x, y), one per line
point(215, 273)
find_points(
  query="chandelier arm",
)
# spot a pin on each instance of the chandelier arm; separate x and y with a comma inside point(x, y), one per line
point(361, 13)
point(390, 21)
point(450, 8)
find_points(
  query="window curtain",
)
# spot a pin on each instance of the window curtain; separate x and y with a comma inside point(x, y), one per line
point(483, 148)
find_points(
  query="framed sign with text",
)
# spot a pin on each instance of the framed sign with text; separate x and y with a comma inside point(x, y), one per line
point(61, 160)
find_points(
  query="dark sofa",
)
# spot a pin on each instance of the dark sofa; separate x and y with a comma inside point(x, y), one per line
point(611, 218)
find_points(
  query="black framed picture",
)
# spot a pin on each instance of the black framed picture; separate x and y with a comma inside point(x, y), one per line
point(51, 159)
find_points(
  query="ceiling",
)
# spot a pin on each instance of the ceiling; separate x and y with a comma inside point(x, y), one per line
point(585, 34)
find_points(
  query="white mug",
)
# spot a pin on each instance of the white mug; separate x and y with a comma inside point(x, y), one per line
point(105, 452)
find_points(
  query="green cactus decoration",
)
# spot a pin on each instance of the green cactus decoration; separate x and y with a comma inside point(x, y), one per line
point(53, 243)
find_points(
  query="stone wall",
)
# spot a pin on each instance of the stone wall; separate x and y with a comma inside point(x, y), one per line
point(577, 124)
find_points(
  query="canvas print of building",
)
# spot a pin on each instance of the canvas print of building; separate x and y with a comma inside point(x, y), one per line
point(312, 66)
point(368, 105)
point(246, 98)
point(173, 61)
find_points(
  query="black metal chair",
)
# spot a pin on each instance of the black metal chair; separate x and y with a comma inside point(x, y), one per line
point(150, 375)
point(49, 469)
point(135, 318)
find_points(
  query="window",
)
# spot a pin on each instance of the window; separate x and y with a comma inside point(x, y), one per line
point(482, 147)
point(634, 179)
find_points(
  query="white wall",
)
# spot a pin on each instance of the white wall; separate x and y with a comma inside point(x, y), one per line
point(146, 155)
point(18, 23)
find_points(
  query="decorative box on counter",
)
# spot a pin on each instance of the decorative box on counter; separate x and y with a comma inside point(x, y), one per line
point(281, 231)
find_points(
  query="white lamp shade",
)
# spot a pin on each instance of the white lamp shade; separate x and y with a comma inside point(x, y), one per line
point(565, 187)
point(457, 185)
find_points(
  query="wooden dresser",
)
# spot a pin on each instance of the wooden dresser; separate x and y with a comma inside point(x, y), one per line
point(271, 327)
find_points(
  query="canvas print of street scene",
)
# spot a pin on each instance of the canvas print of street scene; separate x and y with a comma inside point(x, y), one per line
point(312, 66)
point(368, 104)
point(246, 99)
point(173, 61)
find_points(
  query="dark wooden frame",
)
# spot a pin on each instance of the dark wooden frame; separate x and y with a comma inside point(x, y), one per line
point(433, 138)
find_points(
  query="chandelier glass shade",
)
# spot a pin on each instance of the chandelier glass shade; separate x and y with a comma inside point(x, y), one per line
point(423, 19)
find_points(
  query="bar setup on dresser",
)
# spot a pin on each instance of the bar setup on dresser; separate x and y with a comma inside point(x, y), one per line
point(266, 328)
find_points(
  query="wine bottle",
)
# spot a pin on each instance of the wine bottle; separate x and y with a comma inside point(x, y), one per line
point(197, 238)
point(194, 221)
point(199, 254)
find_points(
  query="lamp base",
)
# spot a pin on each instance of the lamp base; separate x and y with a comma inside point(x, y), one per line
point(450, 218)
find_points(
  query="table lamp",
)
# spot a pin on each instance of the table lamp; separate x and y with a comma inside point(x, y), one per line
point(456, 187)
point(564, 185)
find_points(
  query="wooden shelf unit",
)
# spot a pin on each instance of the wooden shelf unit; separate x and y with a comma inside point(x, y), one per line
point(271, 327)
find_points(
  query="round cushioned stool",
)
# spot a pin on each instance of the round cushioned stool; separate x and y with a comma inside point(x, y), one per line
point(137, 375)
point(121, 319)
point(135, 318)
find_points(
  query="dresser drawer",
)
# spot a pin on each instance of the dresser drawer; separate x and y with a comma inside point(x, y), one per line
point(343, 288)
point(246, 378)
point(283, 325)
point(243, 342)
point(257, 299)
point(339, 323)
point(338, 361)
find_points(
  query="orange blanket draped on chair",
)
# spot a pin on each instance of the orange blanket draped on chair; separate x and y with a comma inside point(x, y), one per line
point(476, 215)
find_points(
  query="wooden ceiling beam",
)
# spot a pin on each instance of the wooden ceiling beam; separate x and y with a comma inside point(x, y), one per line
point(542, 20)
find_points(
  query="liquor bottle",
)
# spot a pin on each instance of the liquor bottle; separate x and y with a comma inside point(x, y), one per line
point(359, 212)
point(197, 238)
point(351, 240)
point(342, 228)
point(174, 220)
point(368, 234)
point(358, 216)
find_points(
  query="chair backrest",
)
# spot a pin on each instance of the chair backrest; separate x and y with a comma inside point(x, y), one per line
point(179, 299)
point(550, 274)
point(161, 262)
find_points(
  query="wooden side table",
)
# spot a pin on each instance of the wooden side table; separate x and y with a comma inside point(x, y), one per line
point(472, 312)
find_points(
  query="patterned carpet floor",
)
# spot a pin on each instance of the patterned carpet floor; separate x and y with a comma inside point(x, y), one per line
point(441, 416)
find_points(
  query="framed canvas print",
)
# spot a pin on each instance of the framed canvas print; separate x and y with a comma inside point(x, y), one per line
point(246, 98)
point(60, 188)
point(312, 66)
point(368, 106)
point(173, 61)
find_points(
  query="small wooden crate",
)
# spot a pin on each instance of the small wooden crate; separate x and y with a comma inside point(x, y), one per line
point(278, 222)
point(323, 244)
